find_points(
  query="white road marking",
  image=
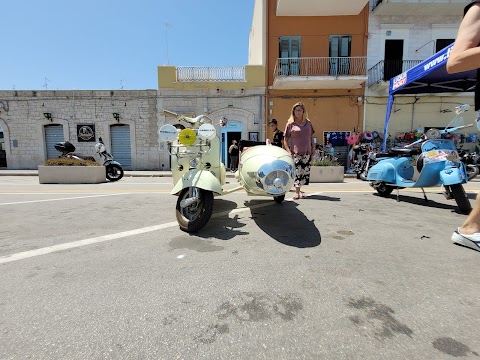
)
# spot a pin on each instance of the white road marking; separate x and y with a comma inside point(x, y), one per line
point(96, 240)
point(75, 244)
point(99, 239)
point(68, 198)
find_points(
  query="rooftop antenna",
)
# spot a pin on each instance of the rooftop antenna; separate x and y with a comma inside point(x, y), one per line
point(45, 85)
point(167, 26)
point(123, 83)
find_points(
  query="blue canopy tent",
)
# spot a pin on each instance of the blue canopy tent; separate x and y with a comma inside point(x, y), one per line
point(430, 76)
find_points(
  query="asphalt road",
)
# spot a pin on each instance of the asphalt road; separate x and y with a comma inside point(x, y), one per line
point(103, 272)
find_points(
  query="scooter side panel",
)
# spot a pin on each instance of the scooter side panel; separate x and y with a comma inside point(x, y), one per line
point(202, 179)
point(384, 170)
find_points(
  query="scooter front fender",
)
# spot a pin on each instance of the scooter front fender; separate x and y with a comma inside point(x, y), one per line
point(454, 175)
point(202, 179)
point(108, 162)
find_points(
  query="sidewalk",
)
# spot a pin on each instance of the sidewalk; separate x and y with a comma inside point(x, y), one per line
point(127, 173)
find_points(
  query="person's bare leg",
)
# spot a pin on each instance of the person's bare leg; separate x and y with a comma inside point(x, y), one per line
point(472, 223)
point(297, 191)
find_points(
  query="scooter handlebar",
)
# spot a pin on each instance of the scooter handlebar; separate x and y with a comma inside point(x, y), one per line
point(196, 120)
point(415, 142)
point(445, 131)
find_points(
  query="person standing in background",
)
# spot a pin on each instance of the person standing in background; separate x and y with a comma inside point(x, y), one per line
point(299, 132)
point(233, 151)
point(465, 56)
point(277, 139)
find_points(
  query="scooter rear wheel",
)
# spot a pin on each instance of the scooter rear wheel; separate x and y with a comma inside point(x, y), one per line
point(461, 198)
point(382, 189)
point(472, 172)
point(194, 217)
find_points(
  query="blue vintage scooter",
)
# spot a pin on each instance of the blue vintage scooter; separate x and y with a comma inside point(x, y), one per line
point(438, 164)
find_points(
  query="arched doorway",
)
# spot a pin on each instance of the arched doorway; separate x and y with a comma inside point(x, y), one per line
point(232, 131)
point(3, 151)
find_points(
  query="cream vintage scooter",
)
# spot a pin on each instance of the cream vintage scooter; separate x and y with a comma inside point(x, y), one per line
point(198, 173)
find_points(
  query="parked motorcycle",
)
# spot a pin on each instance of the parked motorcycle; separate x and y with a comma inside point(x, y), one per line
point(113, 169)
point(198, 173)
point(470, 159)
point(438, 164)
point(362, 164)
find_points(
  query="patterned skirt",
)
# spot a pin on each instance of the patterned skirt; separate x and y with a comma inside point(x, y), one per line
point(302, 170)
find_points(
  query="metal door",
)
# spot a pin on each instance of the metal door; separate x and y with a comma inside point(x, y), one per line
point(53, 135)
point(121, 147)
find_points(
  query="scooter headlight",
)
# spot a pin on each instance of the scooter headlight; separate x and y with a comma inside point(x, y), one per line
point(187, 137)
point(99, 148)
point(193, 162)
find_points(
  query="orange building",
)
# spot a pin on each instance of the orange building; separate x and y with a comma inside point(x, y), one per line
point(314, 52)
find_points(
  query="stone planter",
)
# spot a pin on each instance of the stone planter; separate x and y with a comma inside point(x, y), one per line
point(326, 174)
point(71, 174)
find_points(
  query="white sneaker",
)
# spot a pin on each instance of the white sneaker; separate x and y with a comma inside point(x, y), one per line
point(472, 241)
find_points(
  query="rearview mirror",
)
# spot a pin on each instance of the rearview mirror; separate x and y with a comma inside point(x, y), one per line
point(461, 108)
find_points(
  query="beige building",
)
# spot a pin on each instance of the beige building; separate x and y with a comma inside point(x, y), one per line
point(232, 92)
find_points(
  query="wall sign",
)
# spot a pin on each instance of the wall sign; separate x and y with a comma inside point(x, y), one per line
point(86, 133)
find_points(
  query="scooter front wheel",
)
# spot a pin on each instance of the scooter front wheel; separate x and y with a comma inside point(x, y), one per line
point(279, 199)
point(195, 216)
point(114, 172)
point(461, 198)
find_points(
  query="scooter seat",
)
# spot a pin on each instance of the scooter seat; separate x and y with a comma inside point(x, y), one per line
point(382, 155)
point(404, 151)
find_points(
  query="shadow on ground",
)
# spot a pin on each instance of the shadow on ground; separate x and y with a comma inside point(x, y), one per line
point(421, 202)
point(221, 226)
point(285, 223)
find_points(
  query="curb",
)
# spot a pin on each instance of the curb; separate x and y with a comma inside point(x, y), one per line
point(146, 175)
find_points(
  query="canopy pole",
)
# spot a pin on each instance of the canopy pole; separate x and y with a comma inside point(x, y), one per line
point(387, 119)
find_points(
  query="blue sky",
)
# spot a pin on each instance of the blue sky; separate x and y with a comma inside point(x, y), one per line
point(106, 44)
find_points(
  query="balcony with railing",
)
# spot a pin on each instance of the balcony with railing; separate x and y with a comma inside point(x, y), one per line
point(210, 73)
point(320, 73)
point(380, 74)
point(418, 7)
point(319, 8)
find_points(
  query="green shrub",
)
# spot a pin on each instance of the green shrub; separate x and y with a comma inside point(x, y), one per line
point(70, 162)
point(326, 163)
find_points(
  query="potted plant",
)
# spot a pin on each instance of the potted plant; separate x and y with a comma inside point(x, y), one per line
point(71, 171)
point(326, 171)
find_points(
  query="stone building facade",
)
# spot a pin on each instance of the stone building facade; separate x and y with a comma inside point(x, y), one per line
point(31, 121)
